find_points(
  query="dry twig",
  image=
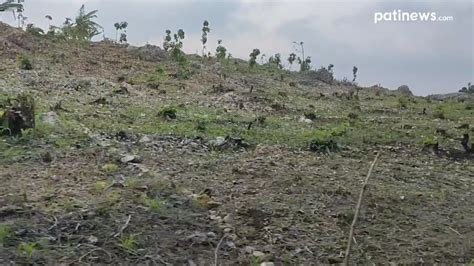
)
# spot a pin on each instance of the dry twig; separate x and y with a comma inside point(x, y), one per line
point(124, 226)
point(359, 203)
point(216, 251)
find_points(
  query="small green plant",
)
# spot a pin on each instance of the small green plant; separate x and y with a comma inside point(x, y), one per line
point(5, 234)
point(253, 57)
point(255, 261)
point(28, 248)
point(155, 205)
point(24, 63)
point(402, 102)
point(220, 50)
point(439, 112)
point(110, 168)
point(168, 113)
point(429, 140)
point(129, 243)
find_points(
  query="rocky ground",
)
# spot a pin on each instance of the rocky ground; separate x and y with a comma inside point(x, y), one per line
point(136, 159)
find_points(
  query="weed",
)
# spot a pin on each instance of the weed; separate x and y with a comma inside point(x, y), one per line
point(5, 234)
point(28, 248)
point(110, 168)
point(168, 113)
point(24, 62)
point(439, 112)
point(100, 186)
point(402, 102)
point(255, 261)
point(129, 243)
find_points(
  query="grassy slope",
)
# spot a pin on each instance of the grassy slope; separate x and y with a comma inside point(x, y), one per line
point(277, 197)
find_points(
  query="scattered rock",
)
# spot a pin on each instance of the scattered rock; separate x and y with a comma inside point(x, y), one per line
point(258, 254)
point(249, 249)
point(201, 238)
point(130, 159)
point(305, 120)
point(145, 139)
point(92, 240)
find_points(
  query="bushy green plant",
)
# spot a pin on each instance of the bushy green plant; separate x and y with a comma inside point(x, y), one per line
point(402, 102)
point(276, 60)
point(24, 62)
point(169, 113)
point(5, 233)
point(28, 248)
point(439, 112)
point(84, 28)
point(291, 59)
point(220, 50)
point(129, 243)
point(253, 57)
point(35, 31)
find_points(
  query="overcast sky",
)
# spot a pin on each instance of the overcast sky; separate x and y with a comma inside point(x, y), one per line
point(430, 57)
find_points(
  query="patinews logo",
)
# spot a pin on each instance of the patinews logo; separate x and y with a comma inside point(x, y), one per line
point(400, 16)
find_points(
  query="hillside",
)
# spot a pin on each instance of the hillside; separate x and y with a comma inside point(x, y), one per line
point(137, 159)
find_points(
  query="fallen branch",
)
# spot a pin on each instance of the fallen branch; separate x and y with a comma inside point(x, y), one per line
point(359, 203)
point(124, 226)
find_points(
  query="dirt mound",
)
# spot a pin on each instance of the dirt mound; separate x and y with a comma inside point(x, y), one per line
point(14, 40)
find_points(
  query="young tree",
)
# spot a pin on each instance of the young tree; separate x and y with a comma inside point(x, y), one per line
point(262, 59)
point(276, 59)
point(291, 58)
point(12, 5)
point(83, 28)
point(220, 50)
point(303, 61)
point(122, 28)
point(175, 45)
point(49, 18)
point(167, 41)
point(330, 67)
point(354, 73)
point(205, 31)
point(253, 57)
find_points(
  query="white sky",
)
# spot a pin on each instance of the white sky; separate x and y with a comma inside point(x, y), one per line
point(430, 57)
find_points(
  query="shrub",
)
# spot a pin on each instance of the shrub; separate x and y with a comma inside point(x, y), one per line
point(439, 113)
point(24, 63)
point(220, 50)
point(253, 57)
point(323, 145)
point(83, 28)
point(402, 102)
point(168, 113)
